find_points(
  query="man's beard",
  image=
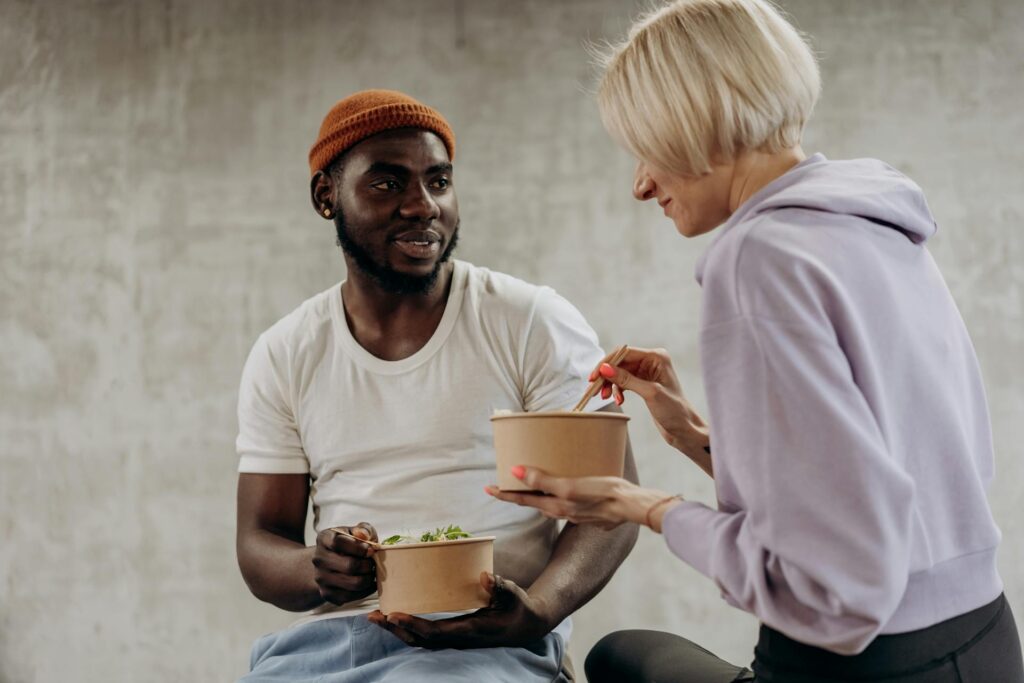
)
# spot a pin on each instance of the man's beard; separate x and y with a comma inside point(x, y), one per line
point(385, 276)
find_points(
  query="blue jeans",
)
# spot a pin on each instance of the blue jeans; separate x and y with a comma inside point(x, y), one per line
point(352, 650)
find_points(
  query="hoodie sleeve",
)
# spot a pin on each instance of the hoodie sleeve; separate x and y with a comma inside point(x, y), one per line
point(811, 534)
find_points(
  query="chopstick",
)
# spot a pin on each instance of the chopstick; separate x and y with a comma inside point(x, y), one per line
point(372, 544)
point(617, 355)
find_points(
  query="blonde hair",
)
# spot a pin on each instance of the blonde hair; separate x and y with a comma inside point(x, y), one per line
point(700, 81)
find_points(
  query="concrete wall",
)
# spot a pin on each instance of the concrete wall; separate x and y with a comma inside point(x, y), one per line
point(155, 219)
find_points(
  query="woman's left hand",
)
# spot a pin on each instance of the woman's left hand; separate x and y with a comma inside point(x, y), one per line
point(604, 501)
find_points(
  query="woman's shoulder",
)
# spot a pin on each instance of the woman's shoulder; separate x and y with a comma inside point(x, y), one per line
point(769, 264)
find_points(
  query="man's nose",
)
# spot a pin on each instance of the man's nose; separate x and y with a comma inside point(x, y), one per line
point(643, 186)
point(419, 204)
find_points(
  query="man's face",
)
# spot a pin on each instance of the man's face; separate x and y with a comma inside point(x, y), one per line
point(397, 214)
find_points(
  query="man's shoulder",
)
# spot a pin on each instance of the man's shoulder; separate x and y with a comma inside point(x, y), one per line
point(503, 297)
point(308, 321)
point(500, 292)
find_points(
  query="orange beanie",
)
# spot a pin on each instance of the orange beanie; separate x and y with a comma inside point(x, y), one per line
point(367, 113)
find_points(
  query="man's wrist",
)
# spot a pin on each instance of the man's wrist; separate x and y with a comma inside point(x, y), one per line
point(546, 613)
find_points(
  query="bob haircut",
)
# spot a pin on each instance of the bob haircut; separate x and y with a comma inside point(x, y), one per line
point(701, 81)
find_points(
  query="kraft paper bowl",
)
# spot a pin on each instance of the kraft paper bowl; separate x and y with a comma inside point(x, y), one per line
point(441, 576)
point(564, 444)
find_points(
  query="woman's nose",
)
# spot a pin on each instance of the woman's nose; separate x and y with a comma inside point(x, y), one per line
point(643, 186)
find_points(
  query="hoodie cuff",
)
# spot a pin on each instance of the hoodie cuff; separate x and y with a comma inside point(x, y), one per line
point(687, 530)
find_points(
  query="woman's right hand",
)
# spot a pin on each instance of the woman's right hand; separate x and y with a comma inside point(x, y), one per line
point(649, 373)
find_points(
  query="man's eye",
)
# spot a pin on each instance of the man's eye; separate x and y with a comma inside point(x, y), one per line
point(385, 185)
point(442, 183)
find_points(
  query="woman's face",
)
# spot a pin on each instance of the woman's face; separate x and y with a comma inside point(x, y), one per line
point(696, 204)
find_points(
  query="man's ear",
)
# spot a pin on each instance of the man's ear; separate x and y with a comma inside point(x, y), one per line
point(321, 192)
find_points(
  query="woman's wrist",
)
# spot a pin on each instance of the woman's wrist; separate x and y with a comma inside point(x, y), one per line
point(697, 447)
point(656, 513)
point(648, 507)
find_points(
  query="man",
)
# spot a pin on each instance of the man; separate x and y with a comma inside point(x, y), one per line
point(373, 399)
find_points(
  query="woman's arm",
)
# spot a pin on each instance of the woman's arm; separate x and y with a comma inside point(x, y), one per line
point(649, 373)
point(812, 530)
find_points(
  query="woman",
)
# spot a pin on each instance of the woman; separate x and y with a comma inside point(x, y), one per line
point(849, 436)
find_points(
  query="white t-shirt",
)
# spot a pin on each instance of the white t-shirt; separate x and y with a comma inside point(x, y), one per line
point(407, 445)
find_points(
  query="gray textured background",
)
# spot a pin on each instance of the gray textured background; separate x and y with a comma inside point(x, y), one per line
point(155, 219)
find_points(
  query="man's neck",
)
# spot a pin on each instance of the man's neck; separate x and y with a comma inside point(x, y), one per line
point(388, 325)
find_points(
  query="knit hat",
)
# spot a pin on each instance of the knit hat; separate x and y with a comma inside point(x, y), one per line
point(367, 113)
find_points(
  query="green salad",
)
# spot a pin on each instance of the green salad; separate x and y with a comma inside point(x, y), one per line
point(449, 533)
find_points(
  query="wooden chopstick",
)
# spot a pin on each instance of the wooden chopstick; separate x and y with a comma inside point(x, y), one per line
point(372, 544)
point(617, 355)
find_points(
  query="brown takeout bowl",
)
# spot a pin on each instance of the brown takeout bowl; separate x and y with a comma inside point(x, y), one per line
point(441, 576)
point(563, 443)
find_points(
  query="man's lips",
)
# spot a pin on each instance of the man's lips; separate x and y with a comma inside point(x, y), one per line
point(418, 235)
point(418, 244)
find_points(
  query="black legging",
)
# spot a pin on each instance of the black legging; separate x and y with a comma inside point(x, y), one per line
point(981, 646)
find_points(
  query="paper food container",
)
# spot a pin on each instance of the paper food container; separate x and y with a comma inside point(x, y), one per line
point(440, 576)
point(565, 444)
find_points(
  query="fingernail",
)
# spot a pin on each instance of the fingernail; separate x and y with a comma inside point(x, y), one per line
point(606, 370)
point(518, 471)
point(488, 491)
point(619, 400)
point(593, 376)
point(606, 391)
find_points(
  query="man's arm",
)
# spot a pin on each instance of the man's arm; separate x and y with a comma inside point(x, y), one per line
point(272, 554)
point(584, 558)
point(276, 563)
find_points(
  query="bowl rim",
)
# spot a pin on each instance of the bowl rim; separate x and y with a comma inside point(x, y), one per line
point(434, 544)
point(600, 415)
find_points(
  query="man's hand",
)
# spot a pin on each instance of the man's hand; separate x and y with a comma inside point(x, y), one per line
point(345, 570)
point(513, 619)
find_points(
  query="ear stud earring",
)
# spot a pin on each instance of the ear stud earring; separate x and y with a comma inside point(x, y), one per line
point(327, 213)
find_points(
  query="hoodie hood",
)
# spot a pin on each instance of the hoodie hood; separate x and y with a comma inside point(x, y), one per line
point(865, 188)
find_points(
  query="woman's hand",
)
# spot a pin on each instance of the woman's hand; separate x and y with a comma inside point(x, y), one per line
point(649, 373)
point(604, 501)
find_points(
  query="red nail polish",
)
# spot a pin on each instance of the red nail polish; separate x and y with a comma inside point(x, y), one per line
point(518, 471)
point(606, 370)
point(619, 400)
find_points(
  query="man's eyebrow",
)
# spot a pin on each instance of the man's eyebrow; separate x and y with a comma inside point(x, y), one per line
point(440, 168)
point(400, 170)
point(385, 167)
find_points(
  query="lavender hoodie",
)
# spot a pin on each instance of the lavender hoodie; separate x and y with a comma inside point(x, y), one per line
point(850, 434)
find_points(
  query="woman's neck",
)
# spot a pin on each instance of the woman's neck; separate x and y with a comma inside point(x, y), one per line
point(754, 170)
